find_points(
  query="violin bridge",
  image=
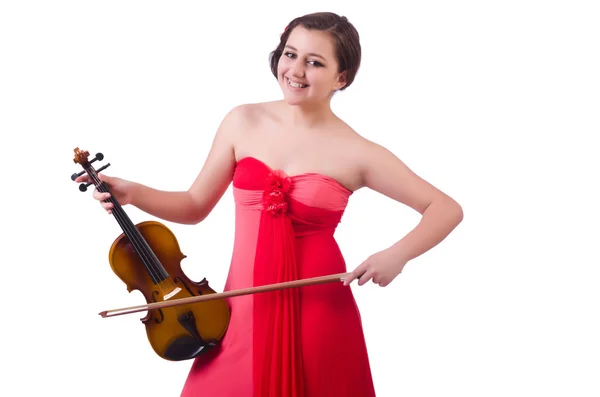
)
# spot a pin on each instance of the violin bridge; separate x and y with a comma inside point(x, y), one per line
point(172, 293)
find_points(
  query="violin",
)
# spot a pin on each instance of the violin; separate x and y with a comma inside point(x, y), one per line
point(185, 318)
point(147, 257)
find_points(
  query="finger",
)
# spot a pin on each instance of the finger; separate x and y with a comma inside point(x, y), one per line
point(100, 195)
point(379, 280)
point(100, 177)
point(349, 279)
point(360, 269)
point(82, 178)
point(368, 275)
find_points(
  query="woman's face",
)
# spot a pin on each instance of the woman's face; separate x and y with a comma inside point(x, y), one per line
point(308, 69)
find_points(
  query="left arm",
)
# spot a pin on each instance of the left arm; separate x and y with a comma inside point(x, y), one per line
point(383, 172)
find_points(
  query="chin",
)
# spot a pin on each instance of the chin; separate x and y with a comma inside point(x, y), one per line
point(291, 98)
point(294, 101)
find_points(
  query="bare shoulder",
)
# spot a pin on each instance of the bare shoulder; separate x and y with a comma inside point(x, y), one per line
point(247, 117)
point(254, 112)
point(381, 170)
point(238, 118)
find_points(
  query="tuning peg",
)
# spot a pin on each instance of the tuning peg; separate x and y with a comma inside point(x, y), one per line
point(103, 168)
point(77, 175)
point(83, 187)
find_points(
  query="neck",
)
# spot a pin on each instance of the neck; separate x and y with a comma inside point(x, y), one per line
point(310, 115)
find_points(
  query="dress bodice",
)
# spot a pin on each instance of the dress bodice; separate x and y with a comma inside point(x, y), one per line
point(312, 200)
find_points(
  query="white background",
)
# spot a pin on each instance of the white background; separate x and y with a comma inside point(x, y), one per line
point(495, 103)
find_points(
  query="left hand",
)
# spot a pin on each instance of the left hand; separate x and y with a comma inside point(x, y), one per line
point(382, 268)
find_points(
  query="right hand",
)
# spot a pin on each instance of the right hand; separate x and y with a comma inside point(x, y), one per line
point(120, 188)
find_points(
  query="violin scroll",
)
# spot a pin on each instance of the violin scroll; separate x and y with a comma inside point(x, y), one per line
point(81, 158)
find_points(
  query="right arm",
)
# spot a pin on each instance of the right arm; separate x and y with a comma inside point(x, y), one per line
point(194, 205)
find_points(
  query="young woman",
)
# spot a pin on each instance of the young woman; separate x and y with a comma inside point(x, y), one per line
point(294, 165)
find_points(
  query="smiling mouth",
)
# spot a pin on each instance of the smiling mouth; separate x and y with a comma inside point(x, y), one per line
point(294, 84)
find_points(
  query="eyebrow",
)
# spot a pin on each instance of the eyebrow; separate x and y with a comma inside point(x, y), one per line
point(310, 53)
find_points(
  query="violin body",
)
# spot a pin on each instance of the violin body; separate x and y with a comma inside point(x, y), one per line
point(179, 332)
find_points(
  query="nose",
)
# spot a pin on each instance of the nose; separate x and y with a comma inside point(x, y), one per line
point(298, 69)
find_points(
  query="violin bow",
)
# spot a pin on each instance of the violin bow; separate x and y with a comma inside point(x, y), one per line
point(227, 294)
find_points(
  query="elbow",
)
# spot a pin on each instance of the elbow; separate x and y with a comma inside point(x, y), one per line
point(456, 212)
point(198, 219)
point(196, 216)
point(191, 221)
point(196, 211)
point(448, 209)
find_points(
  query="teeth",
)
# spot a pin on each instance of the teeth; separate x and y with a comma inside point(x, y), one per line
point(297, 85)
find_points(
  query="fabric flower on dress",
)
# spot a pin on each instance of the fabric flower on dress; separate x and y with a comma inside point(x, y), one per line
point(274, 196)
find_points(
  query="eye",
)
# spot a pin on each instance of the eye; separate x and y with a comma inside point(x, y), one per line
point(312, 63)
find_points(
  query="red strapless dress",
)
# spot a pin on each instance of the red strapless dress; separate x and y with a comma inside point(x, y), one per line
point(300, 342)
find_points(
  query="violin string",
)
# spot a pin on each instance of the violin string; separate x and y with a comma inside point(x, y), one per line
point(138, 245)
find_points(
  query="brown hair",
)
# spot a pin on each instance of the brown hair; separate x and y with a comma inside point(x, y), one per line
point(345, 36)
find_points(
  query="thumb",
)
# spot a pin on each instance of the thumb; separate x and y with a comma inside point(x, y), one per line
point(82, 178)
point(86, 178)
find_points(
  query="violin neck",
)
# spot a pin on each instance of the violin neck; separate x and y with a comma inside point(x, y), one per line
point(155, 269)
